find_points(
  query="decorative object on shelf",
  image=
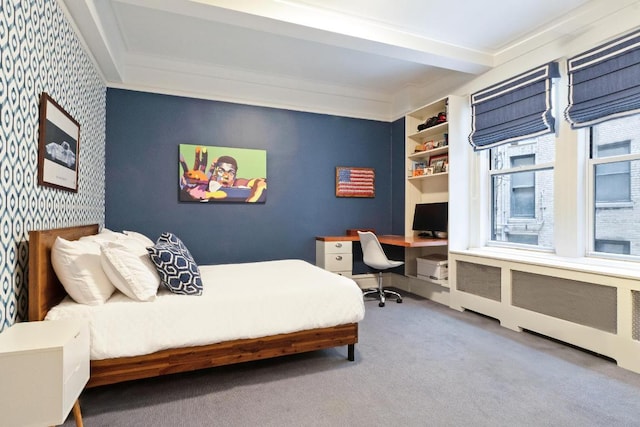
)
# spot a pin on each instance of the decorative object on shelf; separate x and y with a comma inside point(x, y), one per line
point(439, 144)
point(418, 169)
point(234, 174)
point(428, 171)
point(58, 152)
point(355, 182)
point(432, 121)
point(438, 162)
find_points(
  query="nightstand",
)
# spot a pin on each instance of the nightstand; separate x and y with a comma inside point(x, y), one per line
point(44, 367)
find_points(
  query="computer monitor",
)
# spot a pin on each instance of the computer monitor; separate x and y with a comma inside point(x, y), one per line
point(431, 219)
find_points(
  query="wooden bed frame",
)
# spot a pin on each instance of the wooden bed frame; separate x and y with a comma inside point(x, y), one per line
point(45, 291)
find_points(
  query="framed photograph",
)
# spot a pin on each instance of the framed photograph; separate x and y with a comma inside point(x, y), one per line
point(59, 146)
point(438, 162)
point(210, 174)
point(355, 182)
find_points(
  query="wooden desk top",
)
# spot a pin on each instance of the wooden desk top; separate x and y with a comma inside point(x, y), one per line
point(392, 239)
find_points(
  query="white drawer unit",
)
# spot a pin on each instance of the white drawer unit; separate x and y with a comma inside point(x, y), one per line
point(335, 256)
point(44, 367)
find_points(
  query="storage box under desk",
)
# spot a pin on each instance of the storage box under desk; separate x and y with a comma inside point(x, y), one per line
point(434, 266)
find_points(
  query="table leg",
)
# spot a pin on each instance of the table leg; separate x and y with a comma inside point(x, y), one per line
point(77, 414)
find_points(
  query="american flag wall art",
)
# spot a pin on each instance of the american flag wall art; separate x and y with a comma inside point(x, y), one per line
point(355, 182)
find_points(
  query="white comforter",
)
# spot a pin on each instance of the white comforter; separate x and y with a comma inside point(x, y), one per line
point(238, 301)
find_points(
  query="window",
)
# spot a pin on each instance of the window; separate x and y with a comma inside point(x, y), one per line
point(614, 174)
point(527, 239)
point(613, 246)
point(522, 192)
point(523, 188)
point(612, 179)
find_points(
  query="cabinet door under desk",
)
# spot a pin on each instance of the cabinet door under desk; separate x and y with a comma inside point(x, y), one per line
point(335, 256)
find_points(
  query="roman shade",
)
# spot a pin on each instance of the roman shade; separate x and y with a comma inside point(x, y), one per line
point(515, 109)
point(604, 82)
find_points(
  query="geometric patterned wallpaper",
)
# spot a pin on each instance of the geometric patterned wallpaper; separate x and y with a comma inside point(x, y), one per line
point(40, 52)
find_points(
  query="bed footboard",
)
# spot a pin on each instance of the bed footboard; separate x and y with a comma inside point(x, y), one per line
point(172, 361)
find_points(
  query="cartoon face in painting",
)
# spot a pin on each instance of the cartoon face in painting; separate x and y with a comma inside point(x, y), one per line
point(224, 171)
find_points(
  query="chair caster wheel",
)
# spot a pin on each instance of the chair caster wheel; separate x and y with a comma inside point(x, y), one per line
point(399, 300)
point(380, 304)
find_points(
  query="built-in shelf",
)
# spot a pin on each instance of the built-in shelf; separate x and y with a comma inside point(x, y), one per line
point(435, 175)
point(432, 188)
point(442, 282)
point(428, 153)
point(429, 133)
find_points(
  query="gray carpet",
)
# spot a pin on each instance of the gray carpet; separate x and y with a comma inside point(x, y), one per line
point(417, 364)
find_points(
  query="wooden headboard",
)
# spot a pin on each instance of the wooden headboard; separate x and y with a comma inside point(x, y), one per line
point(45, 290)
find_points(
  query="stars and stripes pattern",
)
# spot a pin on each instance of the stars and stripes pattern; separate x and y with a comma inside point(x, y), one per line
point(355, 182)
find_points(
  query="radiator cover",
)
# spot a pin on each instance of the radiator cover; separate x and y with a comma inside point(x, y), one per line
point(584, 303)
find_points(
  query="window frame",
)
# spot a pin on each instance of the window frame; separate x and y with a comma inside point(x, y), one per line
point(592, 204)
point(545, 166)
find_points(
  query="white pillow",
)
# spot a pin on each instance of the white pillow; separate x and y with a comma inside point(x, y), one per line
point(140, 237)
point(77, 265)
point(105, 235)
point(127, 264)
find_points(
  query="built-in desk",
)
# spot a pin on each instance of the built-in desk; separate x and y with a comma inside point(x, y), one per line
point(335, 253)
point(391, 239)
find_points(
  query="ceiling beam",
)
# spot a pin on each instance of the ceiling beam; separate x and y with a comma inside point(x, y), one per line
point(330, 28)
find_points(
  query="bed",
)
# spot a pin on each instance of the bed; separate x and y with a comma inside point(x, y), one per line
point(46, 294)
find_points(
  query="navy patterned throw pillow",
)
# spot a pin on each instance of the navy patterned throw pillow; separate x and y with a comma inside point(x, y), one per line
point(167, 237)
point(177, 269)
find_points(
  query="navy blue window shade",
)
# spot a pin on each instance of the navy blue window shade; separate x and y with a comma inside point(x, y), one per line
point(515, 109)
point(604, 82)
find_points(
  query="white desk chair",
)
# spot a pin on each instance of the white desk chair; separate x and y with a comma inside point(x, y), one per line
point(374, 257)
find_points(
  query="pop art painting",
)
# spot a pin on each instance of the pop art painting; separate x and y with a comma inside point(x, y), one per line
point(222, 174)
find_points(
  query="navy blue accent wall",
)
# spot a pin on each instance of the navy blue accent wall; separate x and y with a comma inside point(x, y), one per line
point(144, 131)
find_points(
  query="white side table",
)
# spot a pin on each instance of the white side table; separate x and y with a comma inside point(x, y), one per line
point(44, 367)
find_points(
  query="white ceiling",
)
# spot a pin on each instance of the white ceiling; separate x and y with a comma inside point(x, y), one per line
point(360, 58)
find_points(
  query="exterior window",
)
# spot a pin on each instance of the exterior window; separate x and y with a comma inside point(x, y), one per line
point(613, 246)
point(522, 192)
point(527, 239)
point(614, 174)
point(613, 180)
point(523, 187)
